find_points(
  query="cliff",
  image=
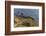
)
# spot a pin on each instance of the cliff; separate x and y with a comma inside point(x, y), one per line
point(24, 21)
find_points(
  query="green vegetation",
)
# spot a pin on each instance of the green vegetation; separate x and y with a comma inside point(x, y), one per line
point(24, 22)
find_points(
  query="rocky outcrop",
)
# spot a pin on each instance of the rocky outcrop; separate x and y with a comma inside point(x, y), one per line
point(24, 21)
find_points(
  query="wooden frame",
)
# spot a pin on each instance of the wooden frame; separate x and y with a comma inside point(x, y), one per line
point(7, 17)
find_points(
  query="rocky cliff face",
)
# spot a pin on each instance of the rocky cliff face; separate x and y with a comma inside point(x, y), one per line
point(24, 21)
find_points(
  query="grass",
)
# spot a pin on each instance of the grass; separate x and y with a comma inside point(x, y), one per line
point(24, 22)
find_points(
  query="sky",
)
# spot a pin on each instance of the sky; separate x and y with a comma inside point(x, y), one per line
point(27, 12)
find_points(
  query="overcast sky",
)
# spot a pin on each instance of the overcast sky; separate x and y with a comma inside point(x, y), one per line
point(27, 12)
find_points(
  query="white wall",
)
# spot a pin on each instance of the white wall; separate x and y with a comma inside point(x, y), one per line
point(2, 18)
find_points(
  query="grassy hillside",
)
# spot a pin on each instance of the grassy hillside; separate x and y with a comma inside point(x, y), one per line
point(24, 22)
